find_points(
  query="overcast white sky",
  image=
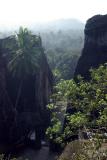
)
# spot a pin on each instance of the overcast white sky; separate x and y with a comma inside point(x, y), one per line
point(23, 12)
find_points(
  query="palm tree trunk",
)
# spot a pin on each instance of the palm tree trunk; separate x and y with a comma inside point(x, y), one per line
point(19, 93)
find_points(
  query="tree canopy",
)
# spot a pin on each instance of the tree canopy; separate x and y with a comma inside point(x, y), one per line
point(88, 99)
point(25, 59)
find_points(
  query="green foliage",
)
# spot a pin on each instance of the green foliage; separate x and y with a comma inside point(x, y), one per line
point(25, 58)
point(53, 132)
point(88, 98)
point(77, 120)
point(63, 49)
point(55, 129)
point(57, 75)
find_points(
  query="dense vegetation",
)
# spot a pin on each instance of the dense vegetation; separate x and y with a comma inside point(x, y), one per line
point(63, 48)
point(86, 106)
point(78, 107)
point(25, 60)
point(63, 41)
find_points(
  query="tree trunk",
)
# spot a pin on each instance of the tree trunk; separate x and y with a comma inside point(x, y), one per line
point(19, 93)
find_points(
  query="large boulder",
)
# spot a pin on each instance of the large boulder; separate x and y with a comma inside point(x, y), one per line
point(31, 111)
point(94, 52)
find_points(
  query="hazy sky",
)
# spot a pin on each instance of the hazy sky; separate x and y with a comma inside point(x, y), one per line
point(23, 12)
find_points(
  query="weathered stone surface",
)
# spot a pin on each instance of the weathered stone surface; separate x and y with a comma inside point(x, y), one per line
point(94, 52)
point(31, 112)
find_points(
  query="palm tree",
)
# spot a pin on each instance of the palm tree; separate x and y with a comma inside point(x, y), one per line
point(25, 59)
point(28, 60)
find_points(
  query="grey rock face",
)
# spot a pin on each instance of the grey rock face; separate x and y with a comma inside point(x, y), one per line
point(31, 112)
point(94, 52)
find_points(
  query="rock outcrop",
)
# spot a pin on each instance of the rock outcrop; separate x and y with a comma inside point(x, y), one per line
point(30, 114)
point(95, 45)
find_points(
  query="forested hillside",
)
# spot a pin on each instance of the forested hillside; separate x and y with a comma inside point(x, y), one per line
point(62, 41)
point(72, 112)
point(63, 49)
point(84, 99)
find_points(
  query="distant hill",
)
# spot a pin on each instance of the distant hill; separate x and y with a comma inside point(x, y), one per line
point(56, 25)
point(61, 24)
point(62, 40)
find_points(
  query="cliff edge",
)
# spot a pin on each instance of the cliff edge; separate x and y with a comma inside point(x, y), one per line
point(94, 51)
